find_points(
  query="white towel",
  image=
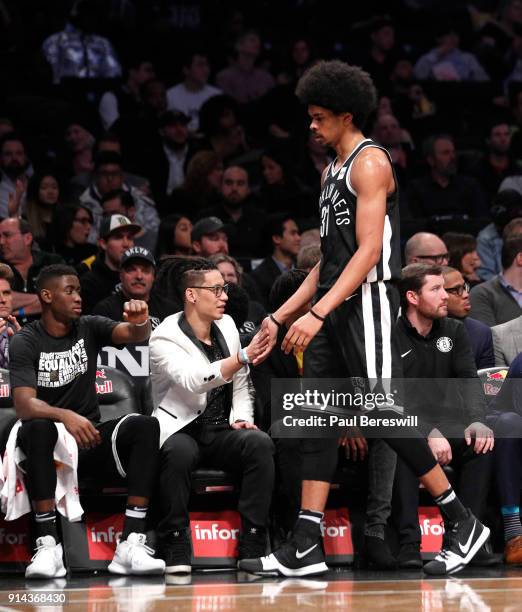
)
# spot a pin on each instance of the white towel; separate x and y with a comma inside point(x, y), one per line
point(14, 500)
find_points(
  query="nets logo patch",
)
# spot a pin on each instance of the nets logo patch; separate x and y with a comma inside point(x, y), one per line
point(444, 344)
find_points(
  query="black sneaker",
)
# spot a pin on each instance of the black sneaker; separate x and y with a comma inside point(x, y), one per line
point(176, 550)
point(302, 555)
point(461, 543)
point(252, 543)
point(485, 556)
point(378, 555)
point(409, 557)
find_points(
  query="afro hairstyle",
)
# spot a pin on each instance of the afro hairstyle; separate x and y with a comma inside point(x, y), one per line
point(340, 88)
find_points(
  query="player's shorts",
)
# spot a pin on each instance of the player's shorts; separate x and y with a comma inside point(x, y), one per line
point(357, 338)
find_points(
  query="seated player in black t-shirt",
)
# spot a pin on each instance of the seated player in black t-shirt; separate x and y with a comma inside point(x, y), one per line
point(53, 369)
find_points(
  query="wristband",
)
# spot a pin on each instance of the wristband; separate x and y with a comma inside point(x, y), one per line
point(141, 324)
point(243, 357)
point(21, 312)
point(318, 317)
point(271, 317)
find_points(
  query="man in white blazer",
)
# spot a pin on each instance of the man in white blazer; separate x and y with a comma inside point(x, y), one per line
point(200, 386)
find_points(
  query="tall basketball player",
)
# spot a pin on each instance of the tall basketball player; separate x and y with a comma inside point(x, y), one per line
point(348, 332)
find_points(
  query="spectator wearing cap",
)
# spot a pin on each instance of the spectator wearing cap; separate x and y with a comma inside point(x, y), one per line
point(108, 176)
point(137, 273)
point(209, 237)
point(16, 242)
point(237, 208)
point(285, 242)
point(190, 95)
point(116, 236)
point(506, 208)
point(121, 202)
point(499, 300)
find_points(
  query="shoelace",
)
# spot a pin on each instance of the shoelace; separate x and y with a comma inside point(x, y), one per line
point(39, 548)
point(140, 545)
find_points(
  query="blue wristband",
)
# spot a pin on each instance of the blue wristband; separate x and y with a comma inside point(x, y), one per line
point(243, 356)
point(21, 313)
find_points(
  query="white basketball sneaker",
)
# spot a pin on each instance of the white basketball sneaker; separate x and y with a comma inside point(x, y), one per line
point(132, 556)
point(47, 562)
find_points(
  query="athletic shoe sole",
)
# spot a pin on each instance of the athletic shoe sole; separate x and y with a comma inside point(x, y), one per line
point(117, 568)
point(473, 551)
point(40, 575)
point(178, 569)
point(310, 570)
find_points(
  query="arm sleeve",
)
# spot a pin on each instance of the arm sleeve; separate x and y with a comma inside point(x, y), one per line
point(170, 361)
point(481, 307)
point(487, 356)
point(102, 328)
point(22, 357)
point(500, 358)
point(463, 362)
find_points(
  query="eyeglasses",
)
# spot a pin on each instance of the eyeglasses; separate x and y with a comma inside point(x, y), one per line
point(458, 290)
point(83, 220)
point(438, 259)
point(217, 290)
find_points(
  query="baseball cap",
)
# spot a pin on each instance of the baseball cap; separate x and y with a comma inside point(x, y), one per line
point(205, 226)
point(137, 252)
point(173, 116)
point(110, 224)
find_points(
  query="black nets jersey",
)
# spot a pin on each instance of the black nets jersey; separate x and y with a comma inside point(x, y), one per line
point(337, 208)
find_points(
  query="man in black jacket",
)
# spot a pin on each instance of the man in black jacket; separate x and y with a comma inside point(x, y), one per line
point(434, 346)
point(285, 241)
point(116, 236)
point(137, 274)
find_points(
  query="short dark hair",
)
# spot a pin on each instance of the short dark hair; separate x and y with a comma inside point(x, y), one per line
point(284, 287)
point(428, 146)
point(188, 56)
point(275, 226)
point(125, 198)
point(6, 273)
point(196, 274)
point(458, 245)
point(107, 137)
point(49, 273)
point(413, 277)
point(510, 249)
point(105, 158)
point(169, 274)
point(340, 88)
